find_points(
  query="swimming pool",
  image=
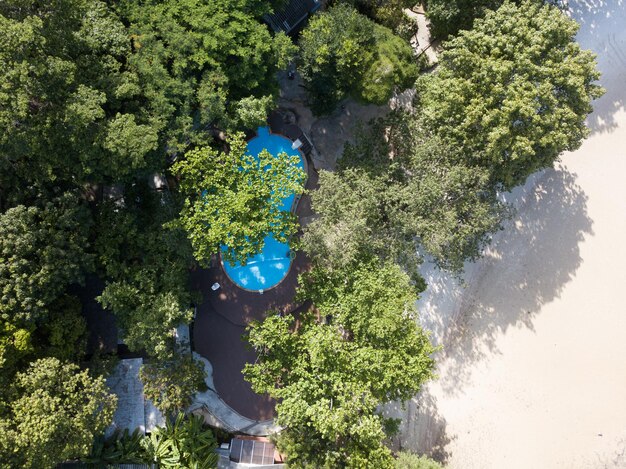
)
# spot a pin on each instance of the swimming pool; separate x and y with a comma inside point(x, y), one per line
point(271, 265)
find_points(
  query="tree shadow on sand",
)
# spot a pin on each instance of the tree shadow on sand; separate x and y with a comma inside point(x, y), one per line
point(602, 23)
point(423, 429)
point(527, 266)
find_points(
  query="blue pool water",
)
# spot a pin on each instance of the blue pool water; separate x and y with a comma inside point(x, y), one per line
point(270, 266)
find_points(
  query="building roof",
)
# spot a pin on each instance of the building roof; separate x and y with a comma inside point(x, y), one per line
point(290, 17)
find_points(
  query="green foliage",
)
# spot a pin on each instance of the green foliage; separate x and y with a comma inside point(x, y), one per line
point(330, 377)
point(64, 335)
point(184, 443)
point(235, 200)
point(198, 60)
point(448, 17)
point(147, 268)
point(42, 251)
point(386, 12)
point(394, 69)
point(57, 412)
point(344, 53)
point(119, 448)
point(171, 384)
point(513, 92)
point(406, 460)
point(16, 346)
point(67, 100)
point(399, 190)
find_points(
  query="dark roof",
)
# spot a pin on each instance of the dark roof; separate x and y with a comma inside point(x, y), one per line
point(100, 322)
point(292, 15)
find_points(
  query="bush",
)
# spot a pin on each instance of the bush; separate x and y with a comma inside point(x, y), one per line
point(406, 460)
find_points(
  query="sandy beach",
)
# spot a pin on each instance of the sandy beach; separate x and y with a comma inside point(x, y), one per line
point(533, 372)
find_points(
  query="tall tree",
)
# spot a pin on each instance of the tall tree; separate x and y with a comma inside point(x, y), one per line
point(204, 63)
point(233, 200)
point(171, 384)
point(343, 53)
point(69, 109)
point(57, 412)
point(388, 13)
point(43, 249)
point(448, 17)
point(329, 376)
point(401, 193)
point(513, 93)
point(146, 268)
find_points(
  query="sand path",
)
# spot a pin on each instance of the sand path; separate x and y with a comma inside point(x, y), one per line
point(534, 371)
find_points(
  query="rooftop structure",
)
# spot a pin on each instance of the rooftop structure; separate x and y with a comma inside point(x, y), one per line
point(292, 16)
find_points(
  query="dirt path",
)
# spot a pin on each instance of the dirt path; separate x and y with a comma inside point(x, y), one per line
point(534, 372)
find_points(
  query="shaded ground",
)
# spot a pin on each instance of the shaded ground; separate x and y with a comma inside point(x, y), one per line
point(223, 315)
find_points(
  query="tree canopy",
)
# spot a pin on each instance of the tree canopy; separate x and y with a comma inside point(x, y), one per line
point(170, 384)
point(448, 17)
point(401, 193)
point(42, 251)
point(343, 53)
point(329, 376)
point(233, 200)
point(57, 413)
point(204, 64)
point(146, 267)
point(512, 93)
point(68, 101)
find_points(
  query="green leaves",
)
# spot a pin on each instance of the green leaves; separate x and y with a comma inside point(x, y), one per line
point(42, 251)
point(513, 92)
point(58, 411)
point(184, 443)
point(171, 384)
point(129, 143)
point(329, 376)
point(200, 63)
point(146, 266)
point(234, 200)
point(64, 76)
point(344, 53)
point(449, 16)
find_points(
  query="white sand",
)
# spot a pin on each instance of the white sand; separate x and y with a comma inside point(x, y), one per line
point(534, 373)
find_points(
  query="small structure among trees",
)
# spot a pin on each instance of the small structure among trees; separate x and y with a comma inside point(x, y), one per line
point(292, 16)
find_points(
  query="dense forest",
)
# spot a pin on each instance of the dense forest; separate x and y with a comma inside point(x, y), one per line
point(97, 98)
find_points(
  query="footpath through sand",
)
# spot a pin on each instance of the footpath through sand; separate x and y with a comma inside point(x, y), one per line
point(534, 369)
